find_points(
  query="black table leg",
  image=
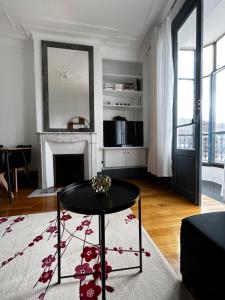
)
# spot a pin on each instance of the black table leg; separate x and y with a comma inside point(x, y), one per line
point(102, 232)
point(59, 238)
point(99, 230)
point(140, 234)
point(8, 176)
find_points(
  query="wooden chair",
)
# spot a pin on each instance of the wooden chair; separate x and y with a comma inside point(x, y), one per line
point(19, 162)
point(3, 181)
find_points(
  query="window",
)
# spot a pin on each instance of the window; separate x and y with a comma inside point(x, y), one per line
point(207, 60)
point(185, 99)
point(220, 58)
point(213, 103)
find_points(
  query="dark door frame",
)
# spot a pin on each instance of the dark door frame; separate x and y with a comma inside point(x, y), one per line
point(179, 20)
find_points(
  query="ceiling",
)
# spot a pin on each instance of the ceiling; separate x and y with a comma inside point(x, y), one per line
point(119, 21)
point(214, 25)
point(127, 20)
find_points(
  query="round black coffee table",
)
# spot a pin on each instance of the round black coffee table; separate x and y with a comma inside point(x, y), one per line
point(81, 198)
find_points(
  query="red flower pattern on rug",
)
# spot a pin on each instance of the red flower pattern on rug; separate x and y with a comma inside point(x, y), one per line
point(13, 223)
point(52, 229)
point(38, 238)
point(129, 218)
point(89, 254)
point(62, 244)
point(79, 228)
point(46, 276)
point(85, 223)
point(89, 231)
point(19, 219)
point(82, 270)
point(97, 268)
point(47, 261)
point(90, 291)
point(66, 217)
point(3, 220)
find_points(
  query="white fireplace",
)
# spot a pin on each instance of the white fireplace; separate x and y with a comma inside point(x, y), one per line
point(65, 143)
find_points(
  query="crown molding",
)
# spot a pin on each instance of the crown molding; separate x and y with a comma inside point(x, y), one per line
point(106, 35)
point(71, 28)
point(19, 27)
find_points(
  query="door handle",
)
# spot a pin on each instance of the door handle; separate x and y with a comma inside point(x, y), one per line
point(198, 105)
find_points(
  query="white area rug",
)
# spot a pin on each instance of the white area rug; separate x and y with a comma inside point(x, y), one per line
point(28, 261)
point(44, 193)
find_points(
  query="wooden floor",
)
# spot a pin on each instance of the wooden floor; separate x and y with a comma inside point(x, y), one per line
point(162, 212)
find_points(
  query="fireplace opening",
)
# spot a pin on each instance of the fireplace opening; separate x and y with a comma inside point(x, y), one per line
point(68, 168)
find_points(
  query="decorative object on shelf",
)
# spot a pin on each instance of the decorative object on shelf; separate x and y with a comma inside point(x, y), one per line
point(77, 123)
point(101, 184)
point(128, 86)
point(138, 84)
point(109, 86)
point(119, 118)
point(118, 86)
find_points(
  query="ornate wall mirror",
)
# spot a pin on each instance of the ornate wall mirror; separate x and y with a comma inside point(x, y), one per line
point(68, 87)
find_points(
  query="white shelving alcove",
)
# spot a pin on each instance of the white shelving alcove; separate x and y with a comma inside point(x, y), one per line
point(123, 97)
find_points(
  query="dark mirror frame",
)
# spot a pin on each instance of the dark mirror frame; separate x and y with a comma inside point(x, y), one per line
point(44, 46)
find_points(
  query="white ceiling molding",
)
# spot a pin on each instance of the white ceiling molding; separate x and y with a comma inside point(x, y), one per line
point(63, 26)
point(105, 34)
point(22, 27)
point(9, 27)
point(11, 21)
point(121, 23)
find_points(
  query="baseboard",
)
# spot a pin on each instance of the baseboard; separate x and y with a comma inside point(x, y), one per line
point(160, 180)
point(126, 172)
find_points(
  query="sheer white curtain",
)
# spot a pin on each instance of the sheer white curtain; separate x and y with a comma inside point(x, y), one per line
point(161, 101)
point(223, 186)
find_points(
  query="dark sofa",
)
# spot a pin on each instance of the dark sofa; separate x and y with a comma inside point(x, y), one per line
point(203, 255)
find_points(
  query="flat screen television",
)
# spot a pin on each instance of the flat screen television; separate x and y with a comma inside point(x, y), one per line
point(118, 133)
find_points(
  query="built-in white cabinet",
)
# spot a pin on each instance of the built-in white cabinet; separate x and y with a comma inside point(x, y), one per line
point(124, 157)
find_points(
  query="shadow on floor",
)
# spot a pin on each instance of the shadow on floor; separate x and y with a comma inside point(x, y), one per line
point(212, 190)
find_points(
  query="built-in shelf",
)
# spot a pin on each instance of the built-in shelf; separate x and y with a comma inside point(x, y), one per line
point(123, 107)
point(124, 93)
point(109, 76)
point(124, 147)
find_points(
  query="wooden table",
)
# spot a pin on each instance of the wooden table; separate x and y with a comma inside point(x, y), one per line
point(6, 151)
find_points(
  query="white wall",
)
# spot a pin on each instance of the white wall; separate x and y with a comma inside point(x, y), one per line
point(17, 98)
point(21, 112)
point(213, 174)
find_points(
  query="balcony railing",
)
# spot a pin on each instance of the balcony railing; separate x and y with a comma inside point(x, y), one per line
point(185, 141)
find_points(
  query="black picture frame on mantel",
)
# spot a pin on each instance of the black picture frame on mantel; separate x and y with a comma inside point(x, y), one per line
point(45, 84)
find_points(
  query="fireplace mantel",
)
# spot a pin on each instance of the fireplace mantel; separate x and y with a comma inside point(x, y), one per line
point(65, 143)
